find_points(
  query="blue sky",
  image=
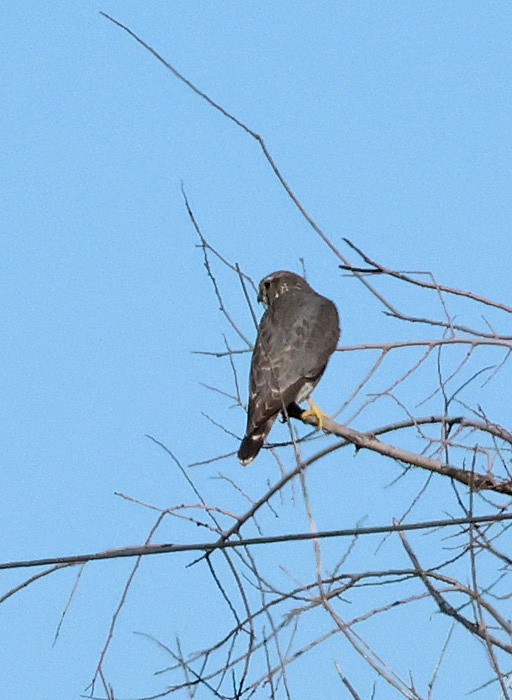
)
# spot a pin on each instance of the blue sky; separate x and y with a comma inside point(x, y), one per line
point(391, 123)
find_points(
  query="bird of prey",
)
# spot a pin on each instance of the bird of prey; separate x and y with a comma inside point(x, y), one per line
point(297, 334)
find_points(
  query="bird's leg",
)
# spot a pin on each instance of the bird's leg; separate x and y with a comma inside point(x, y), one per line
point(293, 410)
point(314, 411)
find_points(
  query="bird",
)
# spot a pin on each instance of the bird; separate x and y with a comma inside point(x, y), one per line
point(297, 335)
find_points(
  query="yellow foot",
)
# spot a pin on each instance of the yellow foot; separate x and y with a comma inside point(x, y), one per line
point(315, 412)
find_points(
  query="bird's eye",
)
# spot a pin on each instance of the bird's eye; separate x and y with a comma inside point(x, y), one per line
point(266, 284)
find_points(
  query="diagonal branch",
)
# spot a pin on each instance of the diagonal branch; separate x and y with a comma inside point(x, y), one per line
point(368, 441)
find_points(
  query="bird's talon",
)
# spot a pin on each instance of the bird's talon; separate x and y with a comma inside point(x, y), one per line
point(314, 412)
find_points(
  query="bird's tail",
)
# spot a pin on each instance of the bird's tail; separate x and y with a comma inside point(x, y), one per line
point(254, 439)
point(251, 445)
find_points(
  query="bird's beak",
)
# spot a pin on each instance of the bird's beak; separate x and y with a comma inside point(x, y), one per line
point(262, 299)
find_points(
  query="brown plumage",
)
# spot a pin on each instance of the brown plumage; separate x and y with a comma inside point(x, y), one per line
point(297, 334)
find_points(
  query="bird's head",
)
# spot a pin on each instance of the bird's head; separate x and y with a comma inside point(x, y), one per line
point(278, 283)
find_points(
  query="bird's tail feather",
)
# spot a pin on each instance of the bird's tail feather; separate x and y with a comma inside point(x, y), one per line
point(251, 445)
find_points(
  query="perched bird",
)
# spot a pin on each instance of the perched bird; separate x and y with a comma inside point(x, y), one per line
point(297, 334)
